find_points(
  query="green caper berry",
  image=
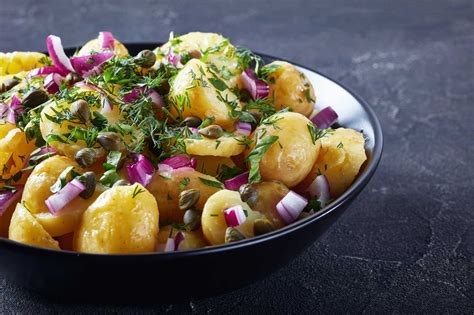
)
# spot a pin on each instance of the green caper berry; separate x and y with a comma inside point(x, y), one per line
point(110, 141)
point(35, 98)
point(212, 131)
point(81, 110)
point(88, 179)
point(9, 84)
point(192, 219)
point(85, 157)
point(146, 58)
point(188, 198)
point(192, 122)
point(121, 182)
point(233, 235)
point(196, 54)
point(262, 226)
point(248, 194)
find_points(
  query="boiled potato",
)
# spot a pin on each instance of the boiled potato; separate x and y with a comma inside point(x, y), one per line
point(341, 156)
point(269, 195)
point(167, 189)
point(224, 146)
point(93, 46)
point(25, 229)
point(192, 239)
point(5, 128)
point(290, 88)
point(17, 61)
point(291, 158)
point(122, 220)
point(193, 94)
point(213, 221)
point(212, 165)
point(15, 150)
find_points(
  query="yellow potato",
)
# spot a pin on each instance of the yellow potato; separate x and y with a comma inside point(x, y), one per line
point(14, 151)
point(25, 229)
point(212, 165)
point(269, 195)
point(341, 156)
point(192, 239)
point(290, 159)
point(193, 94)
point(122, 220)
point(17, 61)
point(290, 88)
point(167, 189)
point(224, 146)
point(5, 128)
point(213, 221)
point(94, 46)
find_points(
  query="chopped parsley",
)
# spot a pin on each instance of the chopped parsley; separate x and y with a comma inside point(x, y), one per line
point(184, 182)
point(211, 183)
point(256, 156)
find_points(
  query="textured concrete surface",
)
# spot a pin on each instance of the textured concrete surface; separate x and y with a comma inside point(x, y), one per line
point(407, 243)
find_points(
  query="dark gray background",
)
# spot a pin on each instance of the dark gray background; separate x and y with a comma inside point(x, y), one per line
point(407, 243)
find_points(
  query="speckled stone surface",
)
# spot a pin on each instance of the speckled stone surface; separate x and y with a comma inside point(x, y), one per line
point(407, 242)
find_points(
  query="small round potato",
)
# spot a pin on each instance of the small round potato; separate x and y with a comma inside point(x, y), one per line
point(122, 220)
point(25, 229)
point(192, 239)
point(269, 195)
point(224, 146)
point(167, 189)
point(291, 157)
point(290, 88)
point(213, 221)
point(15, 150)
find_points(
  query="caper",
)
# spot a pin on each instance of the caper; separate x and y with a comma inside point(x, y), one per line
point(233, 235)
point(81, 110)
point(192, 122)
point(85, 157)
point(72, 78)
point(212, 131)
point(188, 198)
point(7, 85)
point(121, 182)
point(35, 98)
point(195, 54)
point(145, 58)
point(262, 226)
point(88, 179)
point(248, 194)
point(192, 219)
point(110, 141)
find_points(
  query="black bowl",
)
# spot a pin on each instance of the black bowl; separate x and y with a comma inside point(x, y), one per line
point(168, 277)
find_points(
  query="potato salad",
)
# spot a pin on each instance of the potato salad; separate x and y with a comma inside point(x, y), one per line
point(193, 144)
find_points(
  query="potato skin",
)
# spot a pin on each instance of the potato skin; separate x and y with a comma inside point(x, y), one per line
point(224, 146)
point(289, 88)
point(14, 151)
point(166, 191)
point(120, 221)
point(340, 163)
point(269, 195)
point(213, 221)
point(94, 46)
point(212, 165)
point(25, 229)
point(292, 157)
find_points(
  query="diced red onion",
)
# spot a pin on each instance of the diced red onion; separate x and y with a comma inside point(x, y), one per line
point(234, 216)
point(156, 98)
point(179, 161)
point(89, 65)
point(237, 181)
point(107, 40)
point(321, 189)
point(170, 245)
point(8, 197)
point(165, 170)
point(194, 163)
point(325, 118)
point(140, 171)
point(291, 206)
point(8, 112)
point(173, 59)
point(178, 238)
point(59, 200)
point(16, 103)
point(52, 82)
point(243, 128)
point(38, 72)
point(57, 54)
point(257, 88)
point(107, 106)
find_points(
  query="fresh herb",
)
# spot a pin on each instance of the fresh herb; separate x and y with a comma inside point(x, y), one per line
point(211, 183)
point(184, 182)
point(340, 145)
point(314, 205)
point(136, 191)
point(109, 178)
point(227, 172)
point(256, 156)
point(317, 133)
point(113, 160)
point(65, 176)
point(308, 95)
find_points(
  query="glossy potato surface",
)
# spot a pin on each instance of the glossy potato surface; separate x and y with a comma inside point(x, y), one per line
point(122, 220)
point(17, 61)
point(15, 150)
point(224, 146)
point(269, 195)
point(212, 165)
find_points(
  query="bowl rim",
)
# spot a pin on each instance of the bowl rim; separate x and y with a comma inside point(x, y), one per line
point(360, 182)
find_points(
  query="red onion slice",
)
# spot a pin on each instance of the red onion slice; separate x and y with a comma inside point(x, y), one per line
point(59, 200)
point(257, 88)
point(243, 128)
point(89, 65)
point(173, 59)
point(320, 188)
point(179, 161)
point(291, 206)
point(234, 216)
point(38, 72)
point(52, 82)
point(106, 40)
point(165, 170)
point(325, 118)
point(140, 171)
point(57, 54)
point(170, 245)
point(237, 181)
point(156, 98)
point(8, 197)
point(178, 238)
